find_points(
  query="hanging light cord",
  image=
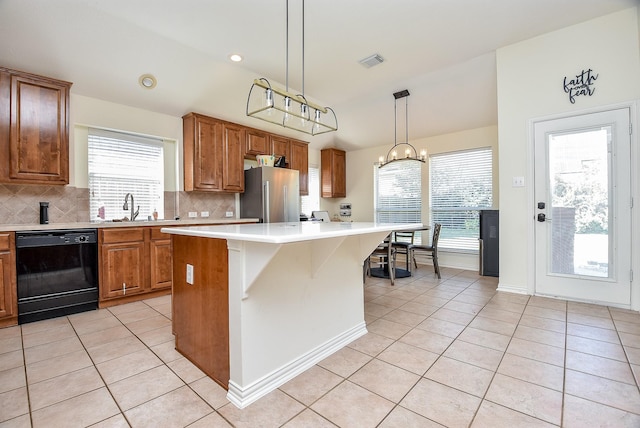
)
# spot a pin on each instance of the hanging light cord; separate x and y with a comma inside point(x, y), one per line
point(286, 48)
point(302, 48)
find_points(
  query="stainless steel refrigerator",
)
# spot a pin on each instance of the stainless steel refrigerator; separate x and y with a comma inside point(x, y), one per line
point(271, 194)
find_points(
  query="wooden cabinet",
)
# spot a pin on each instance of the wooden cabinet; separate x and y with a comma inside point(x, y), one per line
point(213, 154)
point(34, 129)
point(333, 173)
point(8, 290)
point(122, 255)
point(300, 162)
point(134, 262)
point(257, 143)
point(160, 259)
point(281, 146)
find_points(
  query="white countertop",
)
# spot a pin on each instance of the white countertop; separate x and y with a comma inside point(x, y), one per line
point(108, 224)
point(281, 233)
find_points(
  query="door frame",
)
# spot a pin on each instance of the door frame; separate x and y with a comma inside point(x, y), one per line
point(634, 109)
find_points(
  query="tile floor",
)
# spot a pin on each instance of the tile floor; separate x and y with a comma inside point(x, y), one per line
point(452, 353)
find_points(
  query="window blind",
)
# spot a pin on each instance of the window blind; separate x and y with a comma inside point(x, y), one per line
point(121, 163)
point(460, 186)
point(398, 192)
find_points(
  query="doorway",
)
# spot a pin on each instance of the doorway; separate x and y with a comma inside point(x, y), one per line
point(582, 190)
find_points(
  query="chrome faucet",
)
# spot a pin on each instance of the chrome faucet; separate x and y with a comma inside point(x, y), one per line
point(126, 207)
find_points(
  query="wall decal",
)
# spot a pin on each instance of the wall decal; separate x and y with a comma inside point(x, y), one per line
point(581, 84)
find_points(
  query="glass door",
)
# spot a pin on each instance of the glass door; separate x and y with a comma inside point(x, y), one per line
point(583, 207)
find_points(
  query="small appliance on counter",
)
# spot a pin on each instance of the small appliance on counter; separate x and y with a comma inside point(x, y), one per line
point(44, 212)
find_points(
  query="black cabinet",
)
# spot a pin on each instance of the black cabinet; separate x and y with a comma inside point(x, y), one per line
point(489, 241)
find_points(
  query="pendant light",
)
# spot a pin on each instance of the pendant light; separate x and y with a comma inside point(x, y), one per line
point(287, 109)
point(396, 152)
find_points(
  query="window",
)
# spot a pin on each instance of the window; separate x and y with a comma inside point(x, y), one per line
point(460, 186)
point(398, 192)
point(119, 164)
point(311, 202)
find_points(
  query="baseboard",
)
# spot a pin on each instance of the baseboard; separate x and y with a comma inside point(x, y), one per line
point(242, 397)
point(511, 288)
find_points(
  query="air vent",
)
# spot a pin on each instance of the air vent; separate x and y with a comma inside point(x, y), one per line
point(372, 60)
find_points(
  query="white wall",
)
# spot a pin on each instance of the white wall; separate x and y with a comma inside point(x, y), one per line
point(360, 180)
point(530, 85)
point(87, 111)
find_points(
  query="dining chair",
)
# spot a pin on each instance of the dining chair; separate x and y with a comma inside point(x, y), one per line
point(432, 249)
point(401, 241)
point(385, 256)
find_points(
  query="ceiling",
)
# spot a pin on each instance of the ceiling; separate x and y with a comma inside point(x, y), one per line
point(442, 51)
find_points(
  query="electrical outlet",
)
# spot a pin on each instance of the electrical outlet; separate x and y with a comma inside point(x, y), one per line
point(189, 274)
point(204, 213)
point(229, 214)
point(193, 214)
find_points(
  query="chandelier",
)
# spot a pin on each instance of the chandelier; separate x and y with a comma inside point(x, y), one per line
point(410, 152)
point(294, 111)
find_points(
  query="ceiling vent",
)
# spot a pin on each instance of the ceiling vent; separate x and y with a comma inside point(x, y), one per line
point(372, 60)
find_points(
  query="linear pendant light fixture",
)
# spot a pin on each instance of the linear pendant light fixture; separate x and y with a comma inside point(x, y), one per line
point(284, 108)
point(410, 152)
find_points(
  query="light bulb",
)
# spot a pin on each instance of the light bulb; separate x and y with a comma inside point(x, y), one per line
point(381, 160)
point(423, 154)
point(304, 112)
point(407, 153)
point(287, 107)
point(394, 155)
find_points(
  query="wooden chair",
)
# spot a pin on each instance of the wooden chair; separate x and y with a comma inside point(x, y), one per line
point(384, 255)
point(401, 242)
point(432, 249)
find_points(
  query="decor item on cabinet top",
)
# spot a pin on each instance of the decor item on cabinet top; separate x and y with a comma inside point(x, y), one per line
point(410, 152)
point(284, 108)
point(265, 160)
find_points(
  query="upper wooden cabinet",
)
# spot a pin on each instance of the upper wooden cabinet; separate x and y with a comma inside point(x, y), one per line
point(333, 173)
point(213, 154)
point(34, 129)
point(300, 161)
point(257, 143)
point(281, 146)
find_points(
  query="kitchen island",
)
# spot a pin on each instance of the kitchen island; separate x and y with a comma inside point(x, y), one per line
point(254, 305)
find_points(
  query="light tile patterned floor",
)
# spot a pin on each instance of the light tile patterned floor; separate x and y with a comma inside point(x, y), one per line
point(452, 353)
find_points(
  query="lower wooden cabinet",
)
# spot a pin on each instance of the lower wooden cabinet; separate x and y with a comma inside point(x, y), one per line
point(8, 290)
point(135, 262)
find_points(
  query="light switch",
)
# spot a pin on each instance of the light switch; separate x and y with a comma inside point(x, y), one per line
point(518, 182)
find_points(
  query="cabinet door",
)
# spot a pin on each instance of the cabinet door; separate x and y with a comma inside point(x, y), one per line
point(233, 158)
point(160, 256)
point(122, 269)
point(8, 302)
point(257, 143)
point(39, 141)
point(333, 173)
point(281, 147)
point(202, 139)
point(300, 162)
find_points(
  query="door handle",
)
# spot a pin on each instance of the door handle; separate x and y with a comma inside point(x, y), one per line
point(542, 218)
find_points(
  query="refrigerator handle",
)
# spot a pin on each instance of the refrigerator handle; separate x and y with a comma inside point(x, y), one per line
point(286, 204)
point(265, 202)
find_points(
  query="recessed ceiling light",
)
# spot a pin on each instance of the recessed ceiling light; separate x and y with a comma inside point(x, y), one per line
point(235, 57)
point(147, 81)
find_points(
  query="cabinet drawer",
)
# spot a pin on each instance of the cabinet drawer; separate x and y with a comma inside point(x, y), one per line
point(129, 234)
point(156, 234)
point(5, 241)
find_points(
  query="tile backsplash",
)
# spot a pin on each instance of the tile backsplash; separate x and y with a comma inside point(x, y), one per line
point(20, 204)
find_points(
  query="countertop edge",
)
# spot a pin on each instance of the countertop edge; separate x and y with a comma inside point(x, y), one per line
point(110, 224)
point(279, 238)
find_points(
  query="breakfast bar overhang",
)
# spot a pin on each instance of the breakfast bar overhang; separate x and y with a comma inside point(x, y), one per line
point(254, 305)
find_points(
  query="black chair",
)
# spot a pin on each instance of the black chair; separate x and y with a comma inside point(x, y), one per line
point(385, 258)
point(401, 241)
point(432, 249)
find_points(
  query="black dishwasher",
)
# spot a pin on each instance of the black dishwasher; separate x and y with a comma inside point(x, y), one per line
point(57, 273)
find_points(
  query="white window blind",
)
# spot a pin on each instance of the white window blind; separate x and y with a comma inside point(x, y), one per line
point(311, 202)
point(121, 163)
point(460, 186)
point(398, 192)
